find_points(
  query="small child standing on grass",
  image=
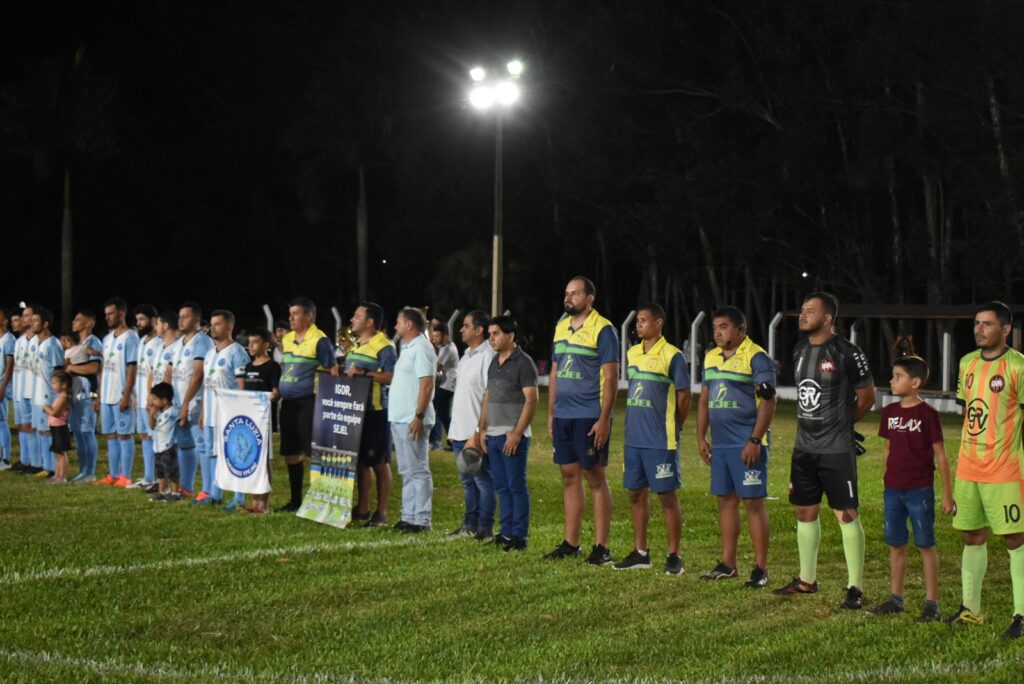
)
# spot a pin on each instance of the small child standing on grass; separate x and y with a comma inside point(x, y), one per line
point(914, 432)
point(57, 420)
point(163, 417)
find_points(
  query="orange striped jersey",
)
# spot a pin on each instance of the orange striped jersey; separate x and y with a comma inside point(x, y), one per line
point(992, 394)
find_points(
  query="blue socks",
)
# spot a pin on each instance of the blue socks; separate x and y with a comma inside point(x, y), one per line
point(187, 466)
point(89, 452)
point(114, 456)
point(5, 440)
point(33, 451)
point(22, 448)
point(148, 461)
point(48, 457)
point(127, 456)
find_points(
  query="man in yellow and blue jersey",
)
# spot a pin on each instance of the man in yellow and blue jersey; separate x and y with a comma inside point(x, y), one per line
point(657, 403)
point(581, 395)
point(989, 488)
point(737, 401)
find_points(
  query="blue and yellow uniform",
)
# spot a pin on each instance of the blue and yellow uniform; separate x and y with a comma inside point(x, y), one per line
point(732, 411)
point(377, 354)
point(651, 458)
point(298, 388)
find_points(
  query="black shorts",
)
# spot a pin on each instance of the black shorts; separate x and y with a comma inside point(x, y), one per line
point(167, 464)
point(61, 437)
point(375, 443)
point(835, 475)
point(297, 426)
point(572, 444)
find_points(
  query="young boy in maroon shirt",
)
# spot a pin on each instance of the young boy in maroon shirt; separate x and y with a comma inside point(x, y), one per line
point(915, 447)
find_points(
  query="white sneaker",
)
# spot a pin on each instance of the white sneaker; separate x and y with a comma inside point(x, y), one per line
point(138, 484)
point(4, 465)
point(86, 479)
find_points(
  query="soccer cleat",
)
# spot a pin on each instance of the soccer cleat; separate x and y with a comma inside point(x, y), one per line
point(18, 467)
point(499, 540)
point(1016, 628)
point(108, 480)
point(758, 578)
point(720, 572)
point(173, 497)
point(930, 613)
point(202, 499)
point(797, 586)
point(43, 473)
point(599, 555)
point(483, 535)
point(160, 497)
point(674, 564)
point(464, 531)
point(231, 506)
point(153, 488)
point(138, 484)
point(563, 550)
point(965, 616)
point(122, 482)
point(516, 544)
point(377, 520)
point(634, 561)
point(854, 599)
point(889, 607)
point(415, 529)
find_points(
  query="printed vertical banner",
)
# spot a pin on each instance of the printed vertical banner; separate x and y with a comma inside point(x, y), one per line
point(338, 415)
point(242, 440)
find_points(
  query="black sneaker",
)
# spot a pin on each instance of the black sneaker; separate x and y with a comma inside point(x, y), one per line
point(153, 488)
point(464, 531)
point(400, 526)
point(289, 507)
point(173, 497)
point(674, 564)
point(18, 467)
point(758, 578)
point(483, 535)
point(599, 555)
point(889, 607)
point(720, 572)
point(930, 613)
point(499, 541)
point(376, 520)
point(634, 561)
point(360, 517)
point(160, 497)
point(516, 544)
point(563, 550)
point(1016, 628)
point(415, 529)
point(854, 599)
point(797, 586)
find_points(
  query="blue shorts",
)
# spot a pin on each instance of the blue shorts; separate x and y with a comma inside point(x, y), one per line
point(572, 444)
point(916, 504)
point(190, 437)
point(142, 422)
point(22, 411)
point(654, 468)
point(39, 417)
point(114, 420)
point(82, 417)
point(730, 475)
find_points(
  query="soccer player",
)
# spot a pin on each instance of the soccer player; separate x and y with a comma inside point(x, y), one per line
point(83, 362)
point(657, 403)
point(989, 489)
point(6, 372)
point(306, 349)
point(223, 368)
point(737, 401)
point(581, 395)
point(185, 374)
point(835, 390)
point(375, 358)
point(24, 385)
point(117, 380)
point(149, 346)
point(49, 357)
point(170, 339)
point(262, 374)
point(478, 489)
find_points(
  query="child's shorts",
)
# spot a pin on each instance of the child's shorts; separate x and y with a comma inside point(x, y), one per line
point(61, 437)
point(167, 465)
point(916, 504)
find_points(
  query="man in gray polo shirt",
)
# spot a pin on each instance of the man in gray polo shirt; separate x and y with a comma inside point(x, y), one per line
point(509, 403)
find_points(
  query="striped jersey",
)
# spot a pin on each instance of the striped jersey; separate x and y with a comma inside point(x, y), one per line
point(655, 376)
point(731, 383)
point(579, 354)
point(992, 394)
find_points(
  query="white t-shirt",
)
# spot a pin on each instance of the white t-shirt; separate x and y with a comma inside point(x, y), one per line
point(469, 392)
point(119, 352)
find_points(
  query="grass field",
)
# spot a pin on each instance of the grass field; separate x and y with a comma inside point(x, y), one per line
point(99, 584)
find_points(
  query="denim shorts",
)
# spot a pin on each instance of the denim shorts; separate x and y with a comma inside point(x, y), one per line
point(917, 505)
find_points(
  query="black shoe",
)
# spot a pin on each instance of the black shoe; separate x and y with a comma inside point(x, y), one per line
point(599, 555)
point(483, 535)
point(797, 586)
point(1016, 628)
point(889, 607)
point(289, 507)
point(18, 467)
point(464, 531)
point(500, 541)
point(563, 550)
point(720, 572)
point(153, 488)
point(400, 526)
point(674, 564)
point(930, 613)
point(634, 561)
point(360, 517)
point(854, 599)
point(516, 544)
point(758, 578)
point(415, 529)
point(376, 520)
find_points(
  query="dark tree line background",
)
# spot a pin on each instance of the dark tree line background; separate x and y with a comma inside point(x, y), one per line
point(693, 153)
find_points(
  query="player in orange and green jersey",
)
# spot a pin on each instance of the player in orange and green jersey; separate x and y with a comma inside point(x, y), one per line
point(989, 488)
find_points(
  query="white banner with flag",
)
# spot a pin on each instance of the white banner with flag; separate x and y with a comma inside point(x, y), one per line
point(242, 440)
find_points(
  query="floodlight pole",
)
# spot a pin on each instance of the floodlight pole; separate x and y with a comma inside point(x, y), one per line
point(496, 263)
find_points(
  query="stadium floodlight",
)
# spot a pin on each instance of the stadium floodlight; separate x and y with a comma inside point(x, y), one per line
point(804, 274)
point(481, 97)
point(515, 68)
point(506, 93)
point(477, 74)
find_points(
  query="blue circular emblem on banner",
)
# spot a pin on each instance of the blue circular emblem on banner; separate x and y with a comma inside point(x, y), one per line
point(243, 443)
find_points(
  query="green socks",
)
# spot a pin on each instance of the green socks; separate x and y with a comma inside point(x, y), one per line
point(808, 537)
point(1017, 577)
point(853, 548)
point(972, 572)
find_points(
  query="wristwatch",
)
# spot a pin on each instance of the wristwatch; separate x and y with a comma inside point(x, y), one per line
point(755, 440)
point(421, 415)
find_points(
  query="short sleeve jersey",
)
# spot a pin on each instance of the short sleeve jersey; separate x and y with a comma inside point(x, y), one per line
point(655, 376)
point(49, 357)
point(92, 350)
point(827, 376)
point(301, 362)
point(7, 359)
point(579, 354)
point(378, 355)
point(992, 394)
point(732, 400)
point(505, 384)
point(164, 359)
point(221, 370)
point(184, 363)
point(21, 367)
point(149, 351)
point(912, 433)
point(119, 352)
point(28, 387)
point(164, 429)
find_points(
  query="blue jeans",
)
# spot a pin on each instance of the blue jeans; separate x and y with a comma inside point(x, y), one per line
point(442, 412)
point(414, 467)
point(509, 476)
point(478, 492)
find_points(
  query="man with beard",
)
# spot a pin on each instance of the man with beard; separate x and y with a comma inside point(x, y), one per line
point(120, 352)
point(24, 382)
point(149, 345)
point(185, 374)
point(49, 357)
point(170, 339)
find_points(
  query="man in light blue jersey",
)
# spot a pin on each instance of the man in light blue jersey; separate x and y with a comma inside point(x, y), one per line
point(223, 368)
point(49, 358)
point(24, 372)
point(120, 351)
point(83, 362)
point(186, 377)
point(149, 344)
point(170, 339)
point(6, 374)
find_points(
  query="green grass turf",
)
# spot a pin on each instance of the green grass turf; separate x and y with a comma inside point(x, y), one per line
point(99, 584)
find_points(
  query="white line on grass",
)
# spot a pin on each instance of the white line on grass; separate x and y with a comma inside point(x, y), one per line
point(100, 570)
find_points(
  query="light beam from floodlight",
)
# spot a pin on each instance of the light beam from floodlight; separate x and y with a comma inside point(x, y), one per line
point(506, 93)
point(477, 74)
point(481, 97)
point(515, 68)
